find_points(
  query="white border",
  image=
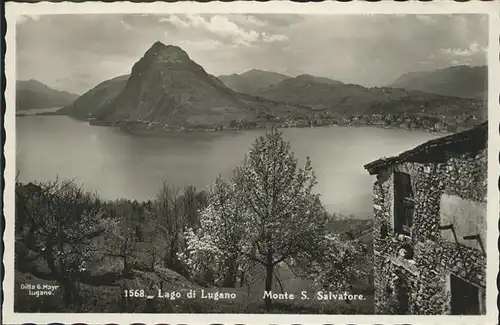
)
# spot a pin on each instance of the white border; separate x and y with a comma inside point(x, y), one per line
point(331, 7)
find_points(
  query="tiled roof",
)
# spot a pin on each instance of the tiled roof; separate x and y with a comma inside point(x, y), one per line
point(438, 150)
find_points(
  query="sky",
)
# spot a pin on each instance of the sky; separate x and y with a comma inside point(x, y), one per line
point(76, 52)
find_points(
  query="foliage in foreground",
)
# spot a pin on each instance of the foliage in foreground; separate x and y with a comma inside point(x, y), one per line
point(269, 215)
point(264, 220)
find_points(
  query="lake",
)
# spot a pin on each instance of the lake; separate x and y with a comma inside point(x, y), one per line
point(118, 165)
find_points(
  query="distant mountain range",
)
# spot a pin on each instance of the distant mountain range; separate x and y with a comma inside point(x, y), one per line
point(167, 88)
point(357, 100)
point(458, 81)
point(336, 97)
point(255, 82)
point(252, 81)
point(32, 94)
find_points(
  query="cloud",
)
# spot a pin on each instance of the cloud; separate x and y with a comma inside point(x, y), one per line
point(174, 20)
point(248, 20)
point(219, 25)
point(127, 26)
point(222, 26)
point(254, 21)
point(473, 48)
point(225, 27)
point(273, 38)
point(362, 49)
point(208, 44)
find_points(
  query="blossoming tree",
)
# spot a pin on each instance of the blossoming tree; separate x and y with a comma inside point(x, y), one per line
point(63, 222)
point(269, 215)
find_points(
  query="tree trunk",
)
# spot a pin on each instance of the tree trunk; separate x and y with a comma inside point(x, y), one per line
point(30, 241)
point(123, 299)
point(127, 270)
point(269, 278)
point(242, 279)
point(173, 253)
point(276, 275)
point(69, 293)
point(230, 279)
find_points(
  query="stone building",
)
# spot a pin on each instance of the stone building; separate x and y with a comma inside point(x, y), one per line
point(429, 207)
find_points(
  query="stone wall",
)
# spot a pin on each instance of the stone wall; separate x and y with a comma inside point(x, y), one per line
point(466, 216)
point(434, 255)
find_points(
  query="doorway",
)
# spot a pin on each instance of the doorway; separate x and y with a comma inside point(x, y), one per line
point(464, 297)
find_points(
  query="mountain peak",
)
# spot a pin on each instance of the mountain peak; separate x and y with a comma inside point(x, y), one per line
point(304, 76)
point(170, 53)
point(158, 45)
point(254, 71)
point(258, 72)
point(310, 78)
point(33, 82)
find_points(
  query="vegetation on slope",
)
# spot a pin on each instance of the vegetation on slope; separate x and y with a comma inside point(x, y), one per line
point(97, 250)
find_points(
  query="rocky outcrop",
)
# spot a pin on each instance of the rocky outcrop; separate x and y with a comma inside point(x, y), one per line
point(166, 86)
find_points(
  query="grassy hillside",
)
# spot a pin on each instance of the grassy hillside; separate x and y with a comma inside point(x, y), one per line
point(147, 264)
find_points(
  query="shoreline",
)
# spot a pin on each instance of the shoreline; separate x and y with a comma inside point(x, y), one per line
point(142, 128)
point(164, 132)
point(36, 113)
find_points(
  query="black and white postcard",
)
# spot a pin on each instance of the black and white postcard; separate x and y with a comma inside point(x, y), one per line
point(251, 162)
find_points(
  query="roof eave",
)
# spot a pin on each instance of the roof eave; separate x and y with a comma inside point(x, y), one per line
point(473, 137)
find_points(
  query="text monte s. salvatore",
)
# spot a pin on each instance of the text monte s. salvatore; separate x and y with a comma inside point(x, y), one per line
point(320, 295)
